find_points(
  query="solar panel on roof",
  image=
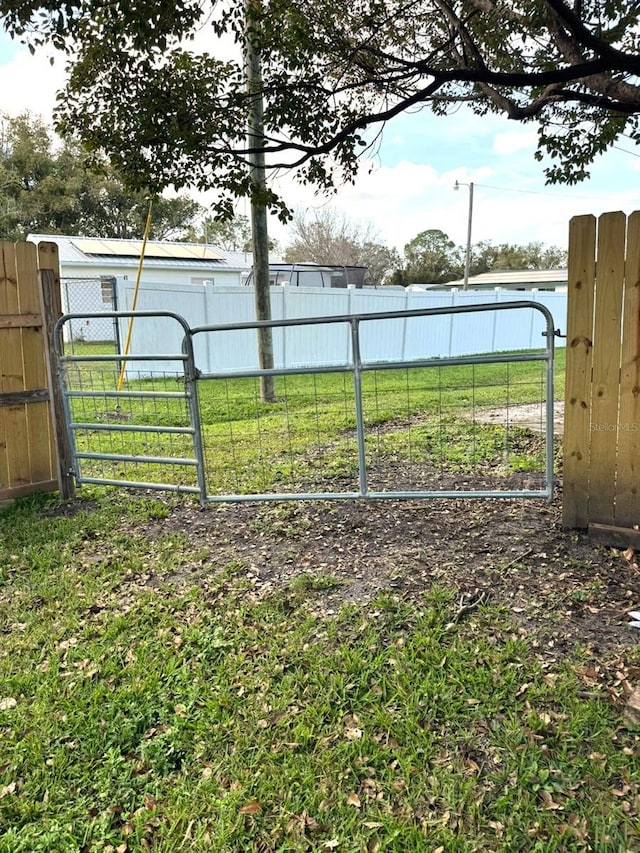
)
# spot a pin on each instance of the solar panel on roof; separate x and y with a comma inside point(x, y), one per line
point(91, 247)
point(154, 250)
point(132, 248)
point(194, 253)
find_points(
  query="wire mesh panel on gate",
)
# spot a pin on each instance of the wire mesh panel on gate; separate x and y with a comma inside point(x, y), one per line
point(360, 426)
point(90, 296)
point(131, 419)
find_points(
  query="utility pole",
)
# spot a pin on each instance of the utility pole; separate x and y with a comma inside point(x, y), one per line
point(467, 258)
point(259, 234)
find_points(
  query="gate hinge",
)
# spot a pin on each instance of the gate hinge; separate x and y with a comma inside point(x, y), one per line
point(556, 334)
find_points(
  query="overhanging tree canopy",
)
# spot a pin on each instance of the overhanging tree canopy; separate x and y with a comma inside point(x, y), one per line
point(169, 115)
point(49, 188)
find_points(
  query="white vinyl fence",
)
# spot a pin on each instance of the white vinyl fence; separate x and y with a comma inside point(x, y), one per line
point(384, 340)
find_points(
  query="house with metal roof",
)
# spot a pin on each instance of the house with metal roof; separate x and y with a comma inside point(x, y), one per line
point(551, 280)
point(90, 268)
point(164, 260)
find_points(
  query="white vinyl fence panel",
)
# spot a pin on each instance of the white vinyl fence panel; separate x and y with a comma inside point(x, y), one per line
point(330, 344)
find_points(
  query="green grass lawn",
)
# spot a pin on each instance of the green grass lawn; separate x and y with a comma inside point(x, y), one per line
point(424, 416)
point(183, 715)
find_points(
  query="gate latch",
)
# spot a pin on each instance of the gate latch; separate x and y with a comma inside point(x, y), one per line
point(556, 334)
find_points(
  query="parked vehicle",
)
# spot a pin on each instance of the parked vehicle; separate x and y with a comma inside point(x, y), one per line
point(313, 275)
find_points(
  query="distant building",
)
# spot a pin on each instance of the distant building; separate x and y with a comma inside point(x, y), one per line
point(89, 267)
point(164, 260)
point(551, 280)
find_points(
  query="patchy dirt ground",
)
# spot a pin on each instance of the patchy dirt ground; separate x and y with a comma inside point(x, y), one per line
point(565, 591)
point(531, 415)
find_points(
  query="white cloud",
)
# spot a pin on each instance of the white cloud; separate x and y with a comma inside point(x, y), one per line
point(515, 140)
point(402, 200)
point(30, 83)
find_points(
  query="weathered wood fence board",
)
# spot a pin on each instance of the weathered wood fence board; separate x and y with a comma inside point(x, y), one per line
point(12, 376)
point(577, 422)
point(602, 408)
point(28, 450)
point(38, 432)
point(605, 381)
point(628, 486)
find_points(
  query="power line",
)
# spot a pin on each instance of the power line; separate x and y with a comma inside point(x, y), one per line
point(541, 192)
point(626, 151)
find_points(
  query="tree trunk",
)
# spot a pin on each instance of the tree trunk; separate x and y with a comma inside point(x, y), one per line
point(259, 210)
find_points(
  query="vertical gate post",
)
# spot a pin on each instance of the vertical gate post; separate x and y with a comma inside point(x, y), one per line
point(51, 310)
point(577, 420)
point(191, 388)
point(628, 474)
point(606, 366)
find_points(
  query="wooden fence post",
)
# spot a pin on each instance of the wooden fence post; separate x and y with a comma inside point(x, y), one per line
point(51, 303)
point(605, 389)
point(577, 424)
point(16, 472)
point(628, 473)
point(602, 405)
point(27, 451)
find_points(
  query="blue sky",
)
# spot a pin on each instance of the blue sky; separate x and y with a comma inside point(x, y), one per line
point(8, 48)
point(407, 184)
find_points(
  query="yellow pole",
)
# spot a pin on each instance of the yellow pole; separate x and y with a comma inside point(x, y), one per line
point(127, 344)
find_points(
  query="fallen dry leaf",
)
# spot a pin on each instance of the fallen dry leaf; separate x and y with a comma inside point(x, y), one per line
point(252, 807)
point(353, 734)
point(149, 802)
point(632, 710)
point(549, 802)
point(576, 827)
point(7, 703)
point(621, 792)
point(354, 800)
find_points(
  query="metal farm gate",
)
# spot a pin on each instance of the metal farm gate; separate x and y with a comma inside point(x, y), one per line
point(474, 425)
point(144, 434)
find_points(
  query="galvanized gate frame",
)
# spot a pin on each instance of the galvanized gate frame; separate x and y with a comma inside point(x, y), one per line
point(190, 394)
point(357, 367)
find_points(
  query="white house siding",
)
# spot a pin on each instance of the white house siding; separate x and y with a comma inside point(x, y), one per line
point(157, 274)
point(81, 276)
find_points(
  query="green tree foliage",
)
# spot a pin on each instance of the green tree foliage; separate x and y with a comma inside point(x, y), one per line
point(48, 187)
point(169, 115)
point(486, 256)
point(432, 258)
point(328, 237)
point(233, 235)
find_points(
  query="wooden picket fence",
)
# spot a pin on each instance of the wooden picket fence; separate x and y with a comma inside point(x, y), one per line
point(601, 466)
point(30, 424)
